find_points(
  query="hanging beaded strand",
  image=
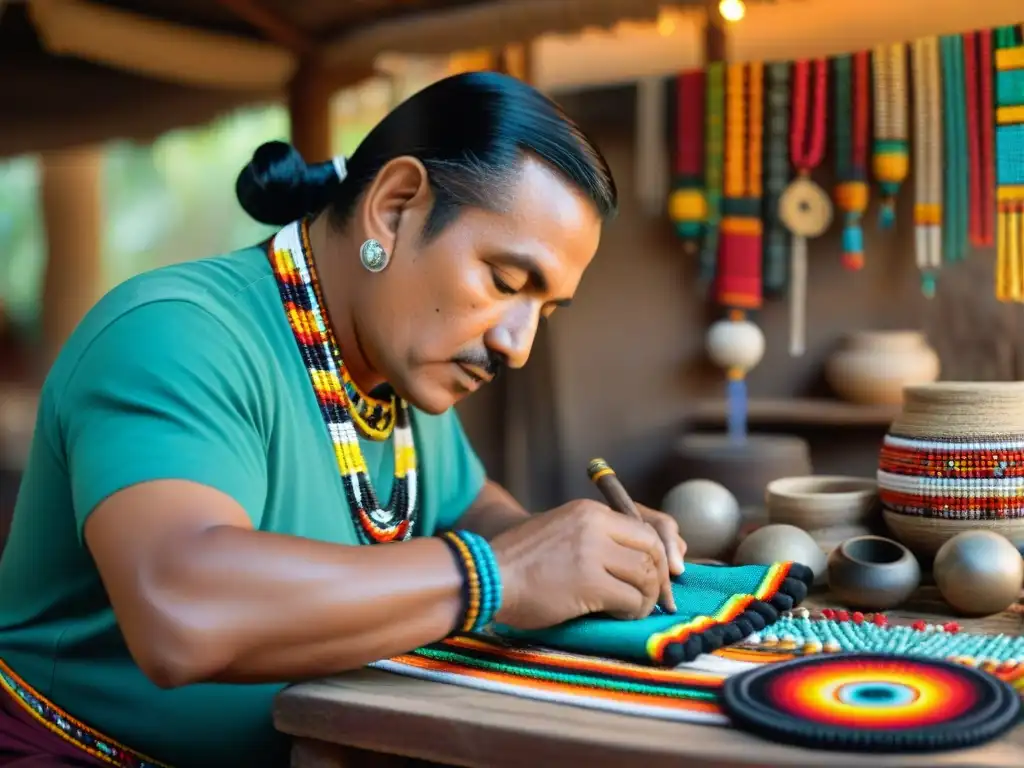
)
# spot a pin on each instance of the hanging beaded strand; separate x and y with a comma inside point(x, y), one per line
point(1009, 139)
point(891, 161)
point(297, 282)
point(980, 137)
point(805, 208)
point(687, 206)
point(955, 213)
point(927, 161)
point(851, 131)
point(776, 177)
point(714, 149)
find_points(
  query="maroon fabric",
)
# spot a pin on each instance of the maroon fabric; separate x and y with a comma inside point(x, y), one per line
point(27, 743)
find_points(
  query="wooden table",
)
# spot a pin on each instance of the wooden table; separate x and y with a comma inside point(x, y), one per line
point(380, 719)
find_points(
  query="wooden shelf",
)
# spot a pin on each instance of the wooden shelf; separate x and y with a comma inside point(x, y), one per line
point(815, 412)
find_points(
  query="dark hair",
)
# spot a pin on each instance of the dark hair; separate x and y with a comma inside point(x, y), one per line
point(470, 131)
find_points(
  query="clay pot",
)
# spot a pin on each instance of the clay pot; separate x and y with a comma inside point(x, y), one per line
point(945, 466)
point(979, 572)
point(779, 543)
point(873, 367)
point(872, 573)
point(822, 501)
point(744, 468)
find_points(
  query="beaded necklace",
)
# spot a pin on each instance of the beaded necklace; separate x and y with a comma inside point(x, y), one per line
point(851, 131)
point(738, 278)
point(297, 282)
point(687, 206)
point(805, 208)
point(954, 124)
point(776, 236)
point(927, 161)
point(1009, 139)
point(980, 136)
point(891, 162)
point(714, 149)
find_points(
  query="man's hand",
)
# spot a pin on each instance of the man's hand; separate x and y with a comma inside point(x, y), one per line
point(668, 531)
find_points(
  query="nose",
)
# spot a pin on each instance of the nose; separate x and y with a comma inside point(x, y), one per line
point(513, 336)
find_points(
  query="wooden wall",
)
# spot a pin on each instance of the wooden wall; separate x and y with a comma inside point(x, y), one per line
point(629, 358)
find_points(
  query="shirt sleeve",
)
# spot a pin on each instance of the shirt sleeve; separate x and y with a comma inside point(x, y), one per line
point(453, 473)
point(165, 391)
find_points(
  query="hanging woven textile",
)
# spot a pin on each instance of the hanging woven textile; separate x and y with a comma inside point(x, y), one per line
point(776, 177)
point(954, 126)
point(980, 137)
point(1009, 104)
point(714, 148)
point(805, 208)
point(852, 101)
point(891, 161)
point(738, 278)
point(687, 207)
point(927, 161)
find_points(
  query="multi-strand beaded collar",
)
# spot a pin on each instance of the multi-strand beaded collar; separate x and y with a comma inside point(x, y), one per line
point(343, 407)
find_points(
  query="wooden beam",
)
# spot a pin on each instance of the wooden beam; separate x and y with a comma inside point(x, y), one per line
point(275, 28)
point(715, 43)
point(309, 109)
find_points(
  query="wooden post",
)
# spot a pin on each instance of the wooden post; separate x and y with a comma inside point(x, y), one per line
point(71, 199)
point(715, 43)
point(309, 109)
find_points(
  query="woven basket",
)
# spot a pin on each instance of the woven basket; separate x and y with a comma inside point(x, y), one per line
point(954, 461)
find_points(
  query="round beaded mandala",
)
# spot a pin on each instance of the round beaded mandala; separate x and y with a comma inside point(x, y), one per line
point(872, 703)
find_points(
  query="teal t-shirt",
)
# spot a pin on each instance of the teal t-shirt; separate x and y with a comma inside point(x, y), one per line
point(186, 372)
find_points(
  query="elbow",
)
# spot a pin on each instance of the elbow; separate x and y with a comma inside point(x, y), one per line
point(172, 655)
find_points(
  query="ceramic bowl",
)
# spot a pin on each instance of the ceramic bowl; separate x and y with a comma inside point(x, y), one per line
point(872, 573)
point(814, 502)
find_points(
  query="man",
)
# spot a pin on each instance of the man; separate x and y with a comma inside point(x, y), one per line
point(218, 440)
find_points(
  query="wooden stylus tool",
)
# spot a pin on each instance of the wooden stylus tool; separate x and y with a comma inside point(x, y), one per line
point(614, 492)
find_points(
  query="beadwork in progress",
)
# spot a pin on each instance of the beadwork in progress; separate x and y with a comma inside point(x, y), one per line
point(871, 702)
point(344, 408)
point(716, 606)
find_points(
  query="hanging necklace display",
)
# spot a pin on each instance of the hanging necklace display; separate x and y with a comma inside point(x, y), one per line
point(687, 206)
point(851, 131)
point(299, 287)
point(1009, 118)
point(954, 125)
point(735, 343)
point(890, 162)
point(927, 161)
point(980, 136)
point(714, 148)
point(805, 207)
point(776, 177)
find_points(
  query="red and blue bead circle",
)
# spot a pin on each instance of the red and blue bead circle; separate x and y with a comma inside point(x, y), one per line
point(871, 702)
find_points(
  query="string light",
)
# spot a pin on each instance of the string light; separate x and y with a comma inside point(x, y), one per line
point(732, 10)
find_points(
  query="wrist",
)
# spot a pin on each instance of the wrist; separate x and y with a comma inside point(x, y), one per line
point(482, 590)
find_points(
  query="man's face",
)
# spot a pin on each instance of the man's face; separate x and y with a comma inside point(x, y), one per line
point(446, 315)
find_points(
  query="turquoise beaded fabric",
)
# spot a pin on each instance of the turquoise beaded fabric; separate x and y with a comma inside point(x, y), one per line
point(715, 606)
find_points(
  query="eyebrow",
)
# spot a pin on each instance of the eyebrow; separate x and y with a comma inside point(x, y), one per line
point(529, 265)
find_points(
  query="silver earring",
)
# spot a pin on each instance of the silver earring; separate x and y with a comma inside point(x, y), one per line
point(373, 255)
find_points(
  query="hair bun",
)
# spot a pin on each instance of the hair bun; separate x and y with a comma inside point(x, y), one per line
point(277, 187)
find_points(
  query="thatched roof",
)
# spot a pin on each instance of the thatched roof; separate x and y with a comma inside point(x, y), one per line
point(78, 71)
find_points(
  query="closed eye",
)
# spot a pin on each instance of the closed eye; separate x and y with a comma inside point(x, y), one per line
point(501, 285)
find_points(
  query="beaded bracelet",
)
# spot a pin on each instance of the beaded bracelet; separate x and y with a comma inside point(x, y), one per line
point(481, 579)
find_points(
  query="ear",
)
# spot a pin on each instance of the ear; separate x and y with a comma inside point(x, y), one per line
point(399, 186)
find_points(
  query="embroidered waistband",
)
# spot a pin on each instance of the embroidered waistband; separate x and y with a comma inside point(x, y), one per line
point(59, 722)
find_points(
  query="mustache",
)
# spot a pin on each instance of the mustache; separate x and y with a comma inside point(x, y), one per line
point(487, 360)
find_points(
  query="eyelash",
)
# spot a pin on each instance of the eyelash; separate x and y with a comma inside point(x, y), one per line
point(501, 285)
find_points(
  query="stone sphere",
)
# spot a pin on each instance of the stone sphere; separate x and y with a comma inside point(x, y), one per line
point(781, 543)
point(708, 516)
point(735, 344)
point(979, 572)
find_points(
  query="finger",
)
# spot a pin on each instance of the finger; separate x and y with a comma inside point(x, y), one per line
point(633, 534)
point(624, 601)
point(640, 570)
point(668, 530)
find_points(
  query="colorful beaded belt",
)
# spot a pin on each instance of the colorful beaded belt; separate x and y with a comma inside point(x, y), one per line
point(59, 722)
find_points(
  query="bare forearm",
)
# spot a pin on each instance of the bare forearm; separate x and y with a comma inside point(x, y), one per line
point(264, 607)
point(494, 511)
